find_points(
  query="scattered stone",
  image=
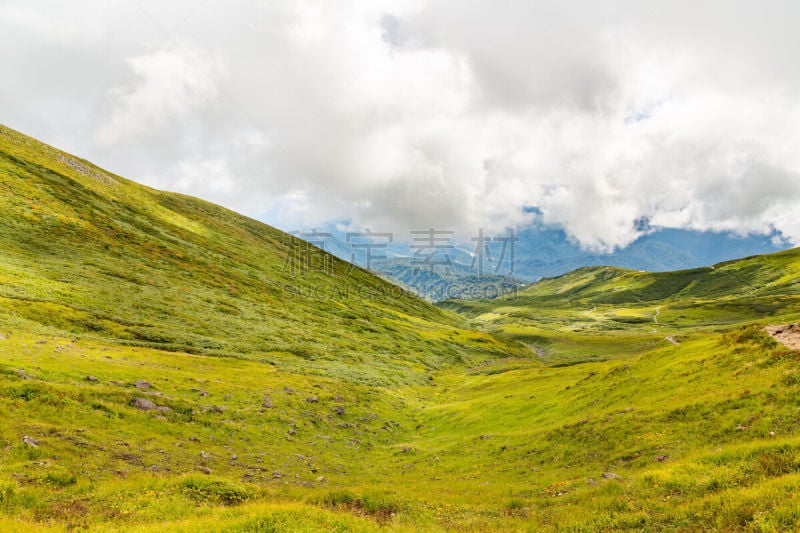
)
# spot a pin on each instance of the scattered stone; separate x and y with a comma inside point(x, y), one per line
point(276, 475)
point(234, 457)
point(204, 455)
point(267, 403)
point(610, 475)
point(152, 468)
point(288, 390)
point(23, 374)
point(740, 427)
point(339, 410)
point(142, 384)
point(771, 433)
point(217, 408)
point(320, 479)
point(205, 470)
point(592, 482)
point(291, 432)
point(200, 391)
point(92, 379)
point(30, 441)
point(115, 383)
point(146, 405)
point(194, 439)
point(661, 458)
point(338, 398)
point(312, 399)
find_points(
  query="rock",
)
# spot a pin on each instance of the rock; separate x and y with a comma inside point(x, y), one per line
point(144, 404)
point(217, 408)
point(30, 441)
point(267, 403)
point(163, 408)
point(288, 390)
point(740, 427)
point(23, 374)
point(592, 482)
point(194, 439)
point(320, 478)
point(204, 455)
point(276, 475)
point(200, 391)
point(339, 410)
point(312, 399)
point(3, 337)
point(771, 433)
point(92, 379)
point(610, 475)
point(152, 468)
point(205, 470)
point(142, 384)
point(661, 458)
point(234, 457)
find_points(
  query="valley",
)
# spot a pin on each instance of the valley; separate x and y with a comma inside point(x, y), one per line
point(166, 364)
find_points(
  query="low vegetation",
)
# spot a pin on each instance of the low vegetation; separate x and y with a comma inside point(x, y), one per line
point(154, 377)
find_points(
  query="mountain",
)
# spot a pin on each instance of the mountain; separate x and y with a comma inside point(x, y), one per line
point(540, 251)
point(545, 251)
point(169, 365)
point(637, 307)
point(86, 252)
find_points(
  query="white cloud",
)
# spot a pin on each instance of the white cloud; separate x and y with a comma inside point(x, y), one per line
point(401, 115)
point(173, 81)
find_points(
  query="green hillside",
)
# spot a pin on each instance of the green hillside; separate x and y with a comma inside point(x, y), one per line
point(619, 312)
point(162, 368)
point(86, 252)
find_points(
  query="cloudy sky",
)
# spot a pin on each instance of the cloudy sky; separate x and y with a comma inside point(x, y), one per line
point(454, 114)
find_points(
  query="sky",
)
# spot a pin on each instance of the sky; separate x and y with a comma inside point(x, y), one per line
point(605, 118)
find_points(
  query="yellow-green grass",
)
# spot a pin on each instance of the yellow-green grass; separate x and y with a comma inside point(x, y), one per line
point(295, 405)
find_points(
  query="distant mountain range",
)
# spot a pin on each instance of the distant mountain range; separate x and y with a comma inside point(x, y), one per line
point(454, 269)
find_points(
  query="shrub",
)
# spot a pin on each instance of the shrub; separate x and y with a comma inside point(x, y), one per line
point(214, 490)
point(60, 479)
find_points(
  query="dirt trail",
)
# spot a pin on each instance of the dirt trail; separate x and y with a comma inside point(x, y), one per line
point(655, 316)
point(788, 335)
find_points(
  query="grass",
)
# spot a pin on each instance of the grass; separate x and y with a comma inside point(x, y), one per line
point(280, 409)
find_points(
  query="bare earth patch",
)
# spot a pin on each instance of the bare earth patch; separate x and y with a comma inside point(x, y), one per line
point(788, 335)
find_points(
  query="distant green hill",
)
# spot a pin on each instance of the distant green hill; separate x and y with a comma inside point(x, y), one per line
point(86, 252)
point(628, 310)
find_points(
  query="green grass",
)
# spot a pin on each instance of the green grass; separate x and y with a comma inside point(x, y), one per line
point(564, 409)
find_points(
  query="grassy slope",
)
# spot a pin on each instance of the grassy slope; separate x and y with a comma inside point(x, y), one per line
point(89, 253)
point(508, 443)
